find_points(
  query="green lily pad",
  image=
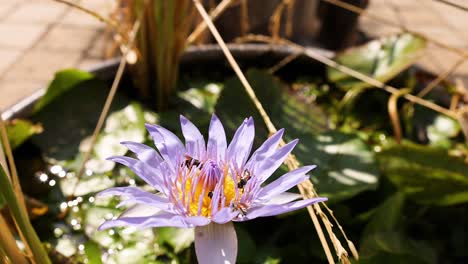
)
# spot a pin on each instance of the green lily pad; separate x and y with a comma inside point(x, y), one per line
point(381, 59)
point(383, 237)
point(426, 174)
point(204, 98)
point(86, 185)
point(441, 130)
point(62, 82)
point(127, 124)
point(346, 165)
point(178, 238)
point(286, 110)
point(19, 131)
point(71, 117)
point(93, 252)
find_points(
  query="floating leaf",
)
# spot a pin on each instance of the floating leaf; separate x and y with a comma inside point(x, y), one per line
point(388, 216)
point(426, 174)
point(93, 252)
point(247, 248)
point(289, 111)
point(127, 124)
point(66, 246)
point(441, 130)
point(86, 185)
point(380, 59)
point(19, 131)
point(178, 238)
point(204, 98)
point(71, 118)
point(384, 236)
point(396, 246)
point(346, 165)
point(62, 82)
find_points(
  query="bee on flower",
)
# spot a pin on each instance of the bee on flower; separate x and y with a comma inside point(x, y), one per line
point(208, 186)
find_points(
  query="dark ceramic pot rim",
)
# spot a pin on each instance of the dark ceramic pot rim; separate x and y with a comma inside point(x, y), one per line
point(246, 54)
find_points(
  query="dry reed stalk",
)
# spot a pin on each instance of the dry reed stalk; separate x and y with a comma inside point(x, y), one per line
point(12, 173)
point(220, 8)
point(109, 22)
point(356, 74)
point(275, 20)
point(393, 113)
point(292, 163)
point(441, 77)
point(283, 62)
point(107, 105)
point(460, 88)
point(11, 250)
point(244, 16)
point(289, 17)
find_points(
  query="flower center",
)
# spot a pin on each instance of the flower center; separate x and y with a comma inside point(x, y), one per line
point(198, 183)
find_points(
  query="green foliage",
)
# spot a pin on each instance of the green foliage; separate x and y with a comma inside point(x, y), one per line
point(71, 117)
point(63, 81)
point(426, 174)
point(384, 239)
point(346, 164)
point(93, 252)
point(178, 238)
point(20, 130)
point(204, 98)
point(380, 59)
point(21, 218)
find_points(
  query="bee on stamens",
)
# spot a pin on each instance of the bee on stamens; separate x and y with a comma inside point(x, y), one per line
point(210, 194)
point(245, 177)
point(190, 162)
point(241, 207)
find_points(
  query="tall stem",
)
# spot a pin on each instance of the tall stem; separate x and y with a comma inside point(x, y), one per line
point(8, 244)
point(22, 219)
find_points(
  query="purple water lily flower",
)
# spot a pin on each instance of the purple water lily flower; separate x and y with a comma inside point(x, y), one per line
point(208, 186)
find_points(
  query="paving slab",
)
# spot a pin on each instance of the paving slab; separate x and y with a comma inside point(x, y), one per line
point(39, 64)
point(14, 90)
point(63, 38)
point(19, 36)
point(431, 18)
point(37, 12)
point(9, 56)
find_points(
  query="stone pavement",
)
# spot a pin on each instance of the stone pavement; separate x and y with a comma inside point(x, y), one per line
point(39, 37)
point(434, 19)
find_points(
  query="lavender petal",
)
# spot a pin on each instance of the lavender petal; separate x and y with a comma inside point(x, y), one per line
point(285, 182)
point(141, 210)
point(216, 243)
point(272, 163)
point(158, 220)
point(149, 174)
point(276, 209)
point(283, 198)
point(224, 215)
point(168, 144)
point(241, 144)
point(266, 149)
point(216, 140)
point(144, 153)
point(194, 142)
point(136, 195)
